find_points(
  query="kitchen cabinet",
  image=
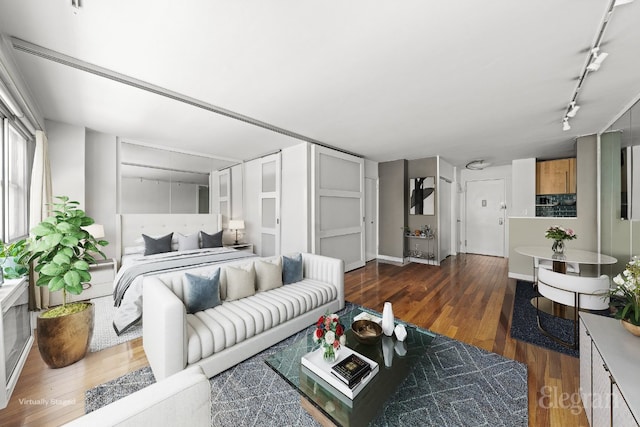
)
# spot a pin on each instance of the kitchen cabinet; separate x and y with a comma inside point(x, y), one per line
point(556, 176)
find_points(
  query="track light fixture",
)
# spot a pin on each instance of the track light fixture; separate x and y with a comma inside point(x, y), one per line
point(565, 124)
point(573, 109)
point(597, 60)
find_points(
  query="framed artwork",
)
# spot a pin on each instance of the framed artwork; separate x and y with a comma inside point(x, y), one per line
point(422, 200)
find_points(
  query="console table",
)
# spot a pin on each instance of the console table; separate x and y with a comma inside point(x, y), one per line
point(609, 374)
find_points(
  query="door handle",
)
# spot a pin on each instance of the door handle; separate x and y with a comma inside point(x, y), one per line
point(500, 221)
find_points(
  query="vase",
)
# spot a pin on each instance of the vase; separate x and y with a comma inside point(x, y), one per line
point(329, 353)
point(558, 246)
point(387, 319)
point(634, 329)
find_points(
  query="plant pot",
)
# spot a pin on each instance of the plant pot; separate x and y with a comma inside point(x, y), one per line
point(64, 340)
point(634, 329)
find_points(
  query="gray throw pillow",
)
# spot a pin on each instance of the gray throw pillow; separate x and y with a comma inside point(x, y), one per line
point(187, 243)
point(291, 269)
point(211, 240)
point(157, 246)
point(201, 293)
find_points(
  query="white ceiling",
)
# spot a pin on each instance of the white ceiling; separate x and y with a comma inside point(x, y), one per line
point(387, 80)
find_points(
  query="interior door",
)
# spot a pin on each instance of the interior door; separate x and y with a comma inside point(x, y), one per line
point(370, 218)
point(485, 214)
point(338, 206)
point(269, 205)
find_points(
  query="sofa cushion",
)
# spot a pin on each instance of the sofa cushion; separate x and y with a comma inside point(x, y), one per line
point(211, 240)
point(187, 243)
point(200, 292)
point(240, 281)
point(157, 246)
point(268, 274)
point(291, 269)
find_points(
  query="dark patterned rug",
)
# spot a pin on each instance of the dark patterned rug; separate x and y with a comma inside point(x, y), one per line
point(525, 328)
point(453, 384)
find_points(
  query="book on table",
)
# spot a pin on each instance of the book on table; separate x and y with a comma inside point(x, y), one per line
point(315, 363)
point(351, 369)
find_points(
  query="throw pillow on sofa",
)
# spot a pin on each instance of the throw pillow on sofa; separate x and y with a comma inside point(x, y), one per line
point(291, 269)
point(240, 281)
point(201, 293)
point(268, 274)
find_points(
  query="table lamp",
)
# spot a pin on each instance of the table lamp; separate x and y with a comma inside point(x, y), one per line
point(236, 224)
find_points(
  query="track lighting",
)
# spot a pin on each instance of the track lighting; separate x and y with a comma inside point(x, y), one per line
point(597, 59)
point(565, 124)
point(573, 109)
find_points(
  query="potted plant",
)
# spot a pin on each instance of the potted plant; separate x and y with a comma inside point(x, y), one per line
point(62, 251)
point(625, 297)
point(10, 267)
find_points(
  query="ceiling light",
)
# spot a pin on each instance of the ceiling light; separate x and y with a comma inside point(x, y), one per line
point(477, 165)
point(573, 109)
point(565, 124)
point(597, 59)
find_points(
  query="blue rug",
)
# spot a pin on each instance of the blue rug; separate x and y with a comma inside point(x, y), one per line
point(525, 328)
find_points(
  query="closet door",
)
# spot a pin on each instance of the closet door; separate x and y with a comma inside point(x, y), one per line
point(224, 198)
point(338, 206)
point(269, 205)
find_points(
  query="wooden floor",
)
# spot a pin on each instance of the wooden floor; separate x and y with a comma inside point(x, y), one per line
point(468, 297)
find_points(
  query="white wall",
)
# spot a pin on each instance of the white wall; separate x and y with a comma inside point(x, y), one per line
point(523, 195)
point(295, 202)
point(495, 172)
point(67, 157)
point(252, 173)
point(100, 184)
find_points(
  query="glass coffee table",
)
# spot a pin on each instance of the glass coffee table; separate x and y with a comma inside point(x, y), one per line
point(396, 359)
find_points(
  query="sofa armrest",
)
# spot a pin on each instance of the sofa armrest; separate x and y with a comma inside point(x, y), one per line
point(164, 328)
point(184, 399)
point(325, 269)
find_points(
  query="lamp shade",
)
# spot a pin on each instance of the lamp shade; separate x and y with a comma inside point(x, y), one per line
point(96, 230)
point(236, 224)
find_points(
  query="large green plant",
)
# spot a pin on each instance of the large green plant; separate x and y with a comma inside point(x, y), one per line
point(9, 255)
point(63, 250)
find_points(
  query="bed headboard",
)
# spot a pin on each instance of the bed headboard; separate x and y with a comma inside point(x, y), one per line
point(130, 227)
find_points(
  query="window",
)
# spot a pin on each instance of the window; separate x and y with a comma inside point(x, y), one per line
point(15, 183)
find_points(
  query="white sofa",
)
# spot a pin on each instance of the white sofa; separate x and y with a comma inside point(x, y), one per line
point(184, 399)
point(173, 340)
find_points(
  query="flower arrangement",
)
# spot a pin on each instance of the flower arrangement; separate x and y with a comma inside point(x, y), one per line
point(625, 297)
point(330, 334)
point(557, 232)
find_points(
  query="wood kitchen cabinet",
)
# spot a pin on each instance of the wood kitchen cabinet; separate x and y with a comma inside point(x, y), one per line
point(556, 176)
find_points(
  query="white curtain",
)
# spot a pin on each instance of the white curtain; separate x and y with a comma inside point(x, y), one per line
point(40, 197)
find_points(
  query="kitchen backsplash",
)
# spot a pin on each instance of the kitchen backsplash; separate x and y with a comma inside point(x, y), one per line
point(556, 205)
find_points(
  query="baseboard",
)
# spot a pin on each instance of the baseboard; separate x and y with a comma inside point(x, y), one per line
point(519, 276)
point(390, 259)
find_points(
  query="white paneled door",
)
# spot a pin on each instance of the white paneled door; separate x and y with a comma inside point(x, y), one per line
point(338, 206)
point(485, 215)
point(269, 205)
point(370, 218)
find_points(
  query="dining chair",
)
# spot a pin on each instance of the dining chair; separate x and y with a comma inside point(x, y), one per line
point(582, 293)
point(572, 267)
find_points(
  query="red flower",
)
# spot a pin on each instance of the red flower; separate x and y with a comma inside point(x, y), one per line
point(339, 330)
point(320, 321)
point(319, 333)
point(336, 344)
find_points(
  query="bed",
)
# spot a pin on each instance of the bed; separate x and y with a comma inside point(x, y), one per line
point(134, 265)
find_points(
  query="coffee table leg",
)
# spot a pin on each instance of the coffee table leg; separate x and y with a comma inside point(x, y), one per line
point(316, 413)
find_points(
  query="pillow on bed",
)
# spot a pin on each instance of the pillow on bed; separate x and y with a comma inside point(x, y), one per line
point(187, 243)
point(174, 241)
point(132, 250)
point(200, 292)
point(268, 274)
point(157, 246)
point(240, 281)
point(211, 240)
point(291, 269)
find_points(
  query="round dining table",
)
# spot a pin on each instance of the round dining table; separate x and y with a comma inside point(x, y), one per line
point(577, 256)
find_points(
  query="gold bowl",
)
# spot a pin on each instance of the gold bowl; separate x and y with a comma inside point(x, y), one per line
point(366, 331)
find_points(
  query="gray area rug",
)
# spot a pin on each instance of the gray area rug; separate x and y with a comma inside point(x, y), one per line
point(104, 335)
point(454, 384)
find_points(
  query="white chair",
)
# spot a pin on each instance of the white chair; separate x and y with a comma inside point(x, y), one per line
point(574, 291)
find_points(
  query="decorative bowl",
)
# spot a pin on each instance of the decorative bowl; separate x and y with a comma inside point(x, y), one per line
point(366, 331)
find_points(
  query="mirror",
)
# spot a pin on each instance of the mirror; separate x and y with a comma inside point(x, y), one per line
point(422, 200)
point(154, 180)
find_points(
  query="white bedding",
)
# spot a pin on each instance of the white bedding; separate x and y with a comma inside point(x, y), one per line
point(127, 287)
